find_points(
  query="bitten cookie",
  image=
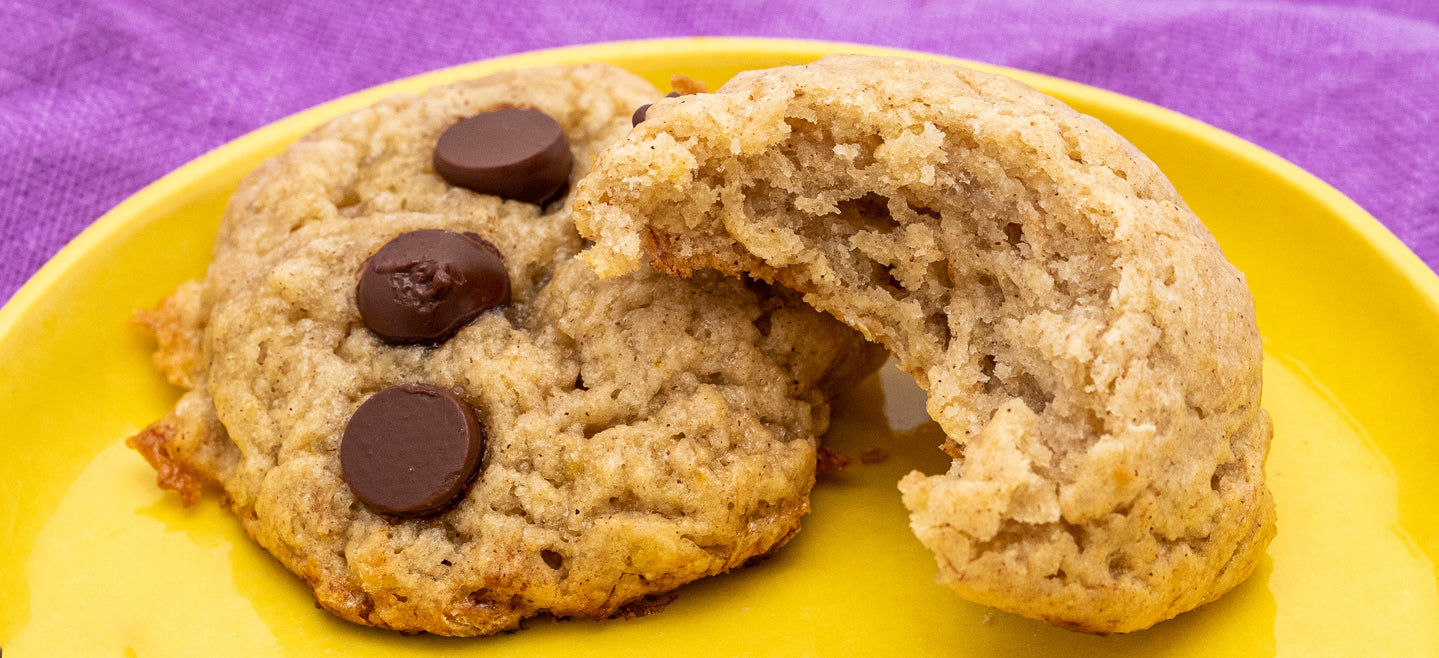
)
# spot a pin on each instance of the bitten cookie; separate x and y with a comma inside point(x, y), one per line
point(420, 402)
point(1086, 347)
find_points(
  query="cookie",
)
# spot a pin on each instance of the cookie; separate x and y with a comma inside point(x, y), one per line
point(1089, 352)
point(418, 399)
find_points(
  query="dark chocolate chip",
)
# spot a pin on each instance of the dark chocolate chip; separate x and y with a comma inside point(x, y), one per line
point(425, 285)
point(639, 116)
point(411, 450)
point(515, 153)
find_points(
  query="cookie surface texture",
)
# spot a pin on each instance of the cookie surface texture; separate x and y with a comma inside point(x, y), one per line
point(1089, 352)
point(639, 433)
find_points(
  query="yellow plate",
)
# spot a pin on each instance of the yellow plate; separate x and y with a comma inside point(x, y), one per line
point(94, 560)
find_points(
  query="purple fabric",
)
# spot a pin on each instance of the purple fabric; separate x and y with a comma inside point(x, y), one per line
point(100, 98)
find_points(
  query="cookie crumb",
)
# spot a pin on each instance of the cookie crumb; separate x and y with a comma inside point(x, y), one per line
point(685, 85)
point(830, 461)
point(874, 456)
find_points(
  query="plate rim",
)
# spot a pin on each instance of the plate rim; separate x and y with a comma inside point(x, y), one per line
point(118, 223)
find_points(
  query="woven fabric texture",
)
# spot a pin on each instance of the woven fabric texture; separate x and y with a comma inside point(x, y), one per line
point(99, 99)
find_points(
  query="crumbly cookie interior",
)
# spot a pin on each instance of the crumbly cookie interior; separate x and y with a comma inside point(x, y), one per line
point(1090, 353)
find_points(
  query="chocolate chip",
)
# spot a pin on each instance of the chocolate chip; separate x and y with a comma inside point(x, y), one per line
point(425, 285)
point(411, 450)
point(515, 153)
point(639, 115)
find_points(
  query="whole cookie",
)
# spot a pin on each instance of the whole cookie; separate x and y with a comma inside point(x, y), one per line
point(569, 448)
point(1090, 353)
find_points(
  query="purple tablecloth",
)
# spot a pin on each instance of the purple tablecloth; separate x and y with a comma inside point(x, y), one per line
point(99, 98)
